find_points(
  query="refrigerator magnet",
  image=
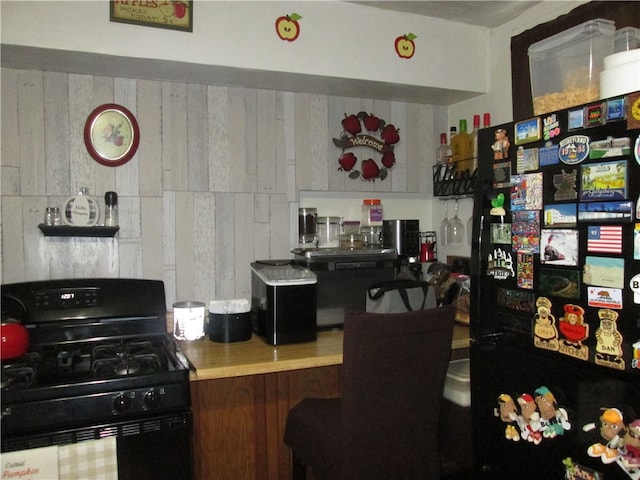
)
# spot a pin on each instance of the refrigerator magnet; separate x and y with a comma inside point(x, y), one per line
point(559, 282)
point(633, 111)
point(609, 341)
point(527, 131)
point(603, 271)
point(574, 331)
point(603, 181)
point(604, 297)
point(616, 110)
point(565, 185)
point(609, 148)
point(573, 149)
point(548, 154)
point(576, 119)
point(551, 127)
point(545, 333)
point(559, 246)
point(595, 115)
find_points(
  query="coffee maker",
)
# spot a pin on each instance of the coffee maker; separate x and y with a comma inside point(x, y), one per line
point(404, 236)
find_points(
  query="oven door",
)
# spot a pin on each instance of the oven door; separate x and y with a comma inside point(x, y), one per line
point(150, 448)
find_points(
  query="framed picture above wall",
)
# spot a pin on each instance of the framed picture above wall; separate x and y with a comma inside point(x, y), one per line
point(174, 15)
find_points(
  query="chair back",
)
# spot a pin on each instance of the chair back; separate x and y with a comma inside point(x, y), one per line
point(394, 368)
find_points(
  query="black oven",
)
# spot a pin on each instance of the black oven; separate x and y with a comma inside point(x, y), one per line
point(100, 365)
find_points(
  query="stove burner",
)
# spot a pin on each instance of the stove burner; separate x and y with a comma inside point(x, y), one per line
point(20, 374)
point(122, 359)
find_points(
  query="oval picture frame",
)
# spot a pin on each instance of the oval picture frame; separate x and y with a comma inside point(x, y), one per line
point(111, 135)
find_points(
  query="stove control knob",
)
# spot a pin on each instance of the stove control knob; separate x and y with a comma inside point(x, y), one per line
point(152, 398)
point(121, 403)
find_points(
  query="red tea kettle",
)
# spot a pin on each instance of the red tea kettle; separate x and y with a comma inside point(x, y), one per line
point(15, 339)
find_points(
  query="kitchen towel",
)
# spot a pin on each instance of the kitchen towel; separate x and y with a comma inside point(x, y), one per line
point(95, 459)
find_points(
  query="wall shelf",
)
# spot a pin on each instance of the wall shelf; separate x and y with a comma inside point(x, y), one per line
point(68, 231)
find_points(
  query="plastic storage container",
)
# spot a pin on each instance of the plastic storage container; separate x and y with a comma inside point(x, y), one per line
point(627, 38)
point(229, 321)
point(372, 212)
point(457, 385)
point(565, 68)
point(328, 229)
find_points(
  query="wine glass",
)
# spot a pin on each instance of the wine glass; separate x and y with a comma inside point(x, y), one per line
point(470, 230)
point(444, 225)
point(455, 230)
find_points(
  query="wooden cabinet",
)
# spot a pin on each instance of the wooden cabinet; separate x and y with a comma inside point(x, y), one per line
point(239, 421)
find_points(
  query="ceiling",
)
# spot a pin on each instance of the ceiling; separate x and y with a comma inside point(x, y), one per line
point(489, 14)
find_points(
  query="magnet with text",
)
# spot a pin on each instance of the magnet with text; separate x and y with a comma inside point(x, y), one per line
point(500, 264)
point(603, 271)
point(609, 341)
point(545, 333)
point(550, 127)
point(527, 160)
point(603, 181)
point(595, 115)
point(604, 297)
point(574, 331)
point(573, 149)
point(634, 285)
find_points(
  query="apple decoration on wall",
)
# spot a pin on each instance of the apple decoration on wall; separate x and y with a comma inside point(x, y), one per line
point(367, 130)
point(287, 27)
point(405, 46)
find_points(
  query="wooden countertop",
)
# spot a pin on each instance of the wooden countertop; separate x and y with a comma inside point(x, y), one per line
point(223, 360)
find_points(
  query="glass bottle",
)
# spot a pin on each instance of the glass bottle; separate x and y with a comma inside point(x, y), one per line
point(474, 141)
point(461, 148)
point(81, 210)
point(111, 209)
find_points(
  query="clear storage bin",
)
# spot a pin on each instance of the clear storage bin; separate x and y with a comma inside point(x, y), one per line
point(565, 68)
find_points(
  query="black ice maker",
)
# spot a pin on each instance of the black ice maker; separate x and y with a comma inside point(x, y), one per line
point(283, 302)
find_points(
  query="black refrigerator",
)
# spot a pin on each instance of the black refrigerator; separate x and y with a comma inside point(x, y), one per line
point(555, 306)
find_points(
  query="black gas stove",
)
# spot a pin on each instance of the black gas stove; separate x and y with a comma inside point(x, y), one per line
point(100, 363)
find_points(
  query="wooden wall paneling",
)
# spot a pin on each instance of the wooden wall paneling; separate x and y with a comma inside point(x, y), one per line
point(149, 157)
point(318, 155)
point(218, 128)
point(337, 179)
point(245, 242)
point(289, 122)
point(238, 166)
point(152, 238)
point(197, 138)
point(412, 148)
point(81, 104)
point(302, 140)
point(129, 237)
point(31, 129)
point(262, 228)
point(225, 245)
point(204, 206)
point(174, 136)
point(56, 135)
point(103, 178)
point(185, 246)
point(279, 246)
point(9, 134)
point(251, 140)
point(127, 182)
point(353, 106)
point(36, 259)
point(169, 245)
point(13, 246)
point(267, 142)
point(282, 175)
point(398, 174)
point(9, 115)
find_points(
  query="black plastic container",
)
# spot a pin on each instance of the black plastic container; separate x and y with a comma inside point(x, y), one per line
point(229, 327)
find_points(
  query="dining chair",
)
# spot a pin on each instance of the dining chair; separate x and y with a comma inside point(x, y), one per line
point(385, 424)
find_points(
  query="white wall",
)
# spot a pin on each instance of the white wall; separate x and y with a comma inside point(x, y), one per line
point(338, 40)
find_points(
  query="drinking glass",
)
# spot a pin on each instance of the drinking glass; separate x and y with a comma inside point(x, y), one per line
point(444, 225)
point(455, 230)
point(470, 229)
